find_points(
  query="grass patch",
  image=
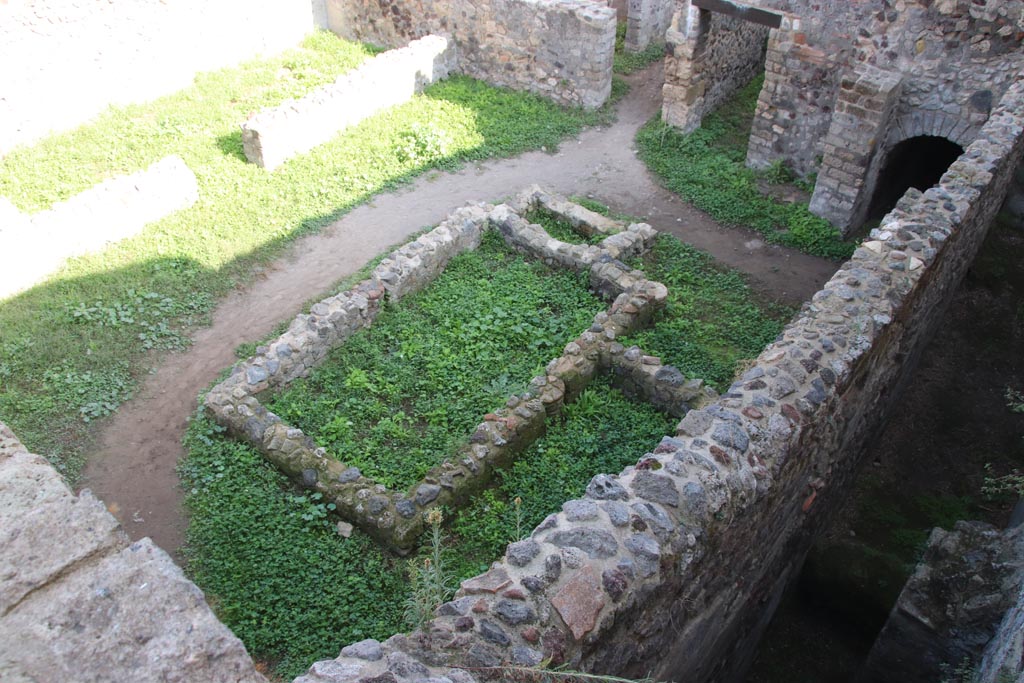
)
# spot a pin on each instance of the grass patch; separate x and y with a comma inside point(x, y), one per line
point(424, 374)
point(711, 321)
point(87, 322)
point(625, 63)
point(706, 168)
point(559, 228)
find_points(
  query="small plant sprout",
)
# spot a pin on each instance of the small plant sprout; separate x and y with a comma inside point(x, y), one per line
point(518, 502)
point(430, 579)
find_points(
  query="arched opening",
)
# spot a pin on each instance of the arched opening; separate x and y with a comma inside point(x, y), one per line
point(917, 162)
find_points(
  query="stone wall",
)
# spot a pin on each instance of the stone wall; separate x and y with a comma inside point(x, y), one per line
point(952, 60)
point(561, 49)
point(78, 602)
point(122, 51)
point(675, 566)
point(276, 134)
point(36, 245)
point(710, 56)
point(647, 21)
point(857, 77)
point(960, 597)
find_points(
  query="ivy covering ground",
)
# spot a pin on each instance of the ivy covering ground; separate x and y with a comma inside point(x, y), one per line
point(73, 348)
point(424, 374)
point(706, 167)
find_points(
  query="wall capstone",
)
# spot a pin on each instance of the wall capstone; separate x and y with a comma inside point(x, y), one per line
point(78, 602)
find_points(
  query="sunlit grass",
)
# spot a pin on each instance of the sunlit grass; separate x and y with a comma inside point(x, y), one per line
point(243, 218)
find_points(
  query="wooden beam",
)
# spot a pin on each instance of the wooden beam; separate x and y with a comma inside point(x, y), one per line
point(752, 14)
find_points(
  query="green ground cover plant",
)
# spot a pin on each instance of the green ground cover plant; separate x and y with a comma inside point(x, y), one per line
point(295, 590)
point(98, 320)
point(711, 321)
point(706, 167)
point(559, 228)
point(281, 577)
point(625, 63)
point(425, 373)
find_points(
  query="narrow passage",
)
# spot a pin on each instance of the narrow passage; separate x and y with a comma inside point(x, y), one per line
point(133, 467)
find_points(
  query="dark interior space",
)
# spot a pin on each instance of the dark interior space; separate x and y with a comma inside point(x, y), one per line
point(917, 162)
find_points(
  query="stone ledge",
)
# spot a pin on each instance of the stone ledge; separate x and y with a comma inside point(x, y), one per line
point(35, 246)
point(276, 134)
point(78, 603)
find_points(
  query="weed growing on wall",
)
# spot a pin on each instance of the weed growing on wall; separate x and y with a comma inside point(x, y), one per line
point(102, 314)
point(706, 168)
point(423, 375)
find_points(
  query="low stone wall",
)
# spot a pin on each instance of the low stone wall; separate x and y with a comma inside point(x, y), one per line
point(79, 602)
point(36, 245)
point(122, 51)
point(276, 134)
point(397, 518)
point(674, 567)
point(561, 49)
point(710, 56)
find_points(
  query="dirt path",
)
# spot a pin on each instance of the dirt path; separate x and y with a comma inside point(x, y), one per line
point(132, 469)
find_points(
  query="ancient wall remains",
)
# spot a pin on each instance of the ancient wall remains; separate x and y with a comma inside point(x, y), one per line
point(710, 56)
point(673, 566)
point(846, 82)
point(36, 245)
point(647, 21)
point(397, 518)
point(561, 49)
point(79, 602)
point(956, 610)
point(676, 565)
point(276, 134)
point(867, 76)
point(125, 51)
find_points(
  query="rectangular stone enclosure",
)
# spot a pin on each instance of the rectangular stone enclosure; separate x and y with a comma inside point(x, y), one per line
point(396, 518)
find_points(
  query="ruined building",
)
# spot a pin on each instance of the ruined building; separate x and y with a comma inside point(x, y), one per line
point(860, 93)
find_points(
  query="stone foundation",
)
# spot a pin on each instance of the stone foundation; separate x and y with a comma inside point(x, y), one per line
point(276, 134)
point(36, 245)
point(397, 518)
